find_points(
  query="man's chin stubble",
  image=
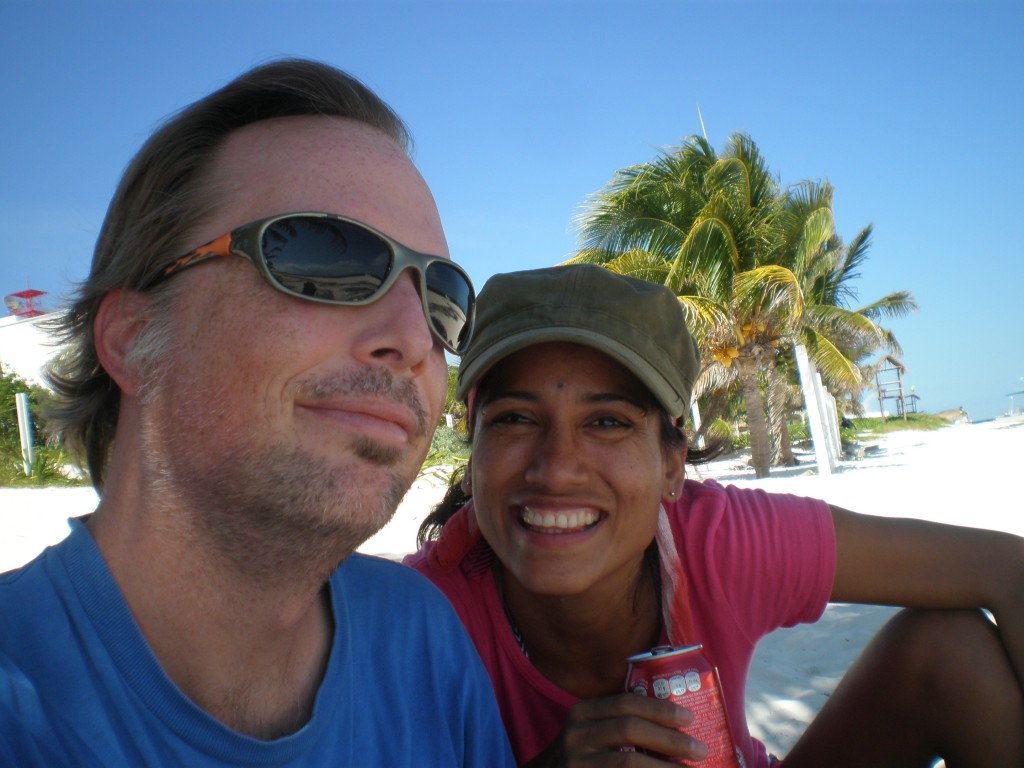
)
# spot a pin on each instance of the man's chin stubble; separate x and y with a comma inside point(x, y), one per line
point(285, 511)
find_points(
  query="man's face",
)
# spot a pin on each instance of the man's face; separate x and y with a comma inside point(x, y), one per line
point(274, 416)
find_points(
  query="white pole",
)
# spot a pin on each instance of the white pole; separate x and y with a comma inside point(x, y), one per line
point(827, 403)
point(819, 437)
point(28, 452)
point(695, 413)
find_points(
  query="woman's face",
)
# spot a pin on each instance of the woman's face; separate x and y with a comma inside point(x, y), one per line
point(568, 472)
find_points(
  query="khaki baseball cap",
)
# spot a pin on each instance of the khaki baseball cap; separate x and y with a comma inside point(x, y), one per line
point(639, 324)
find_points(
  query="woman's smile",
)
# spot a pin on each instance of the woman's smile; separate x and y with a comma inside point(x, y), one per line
point(568, 470)
point(558, 521)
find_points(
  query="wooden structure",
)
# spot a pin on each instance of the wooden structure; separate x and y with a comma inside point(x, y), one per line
point(889, 383)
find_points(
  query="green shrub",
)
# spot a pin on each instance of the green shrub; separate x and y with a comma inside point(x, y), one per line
point(879, 426)
point(719, 429)
point(51, 465)
point(848, 435)
point(740, 441)
point(448, 447)
point(798, 432)
point(50, 468)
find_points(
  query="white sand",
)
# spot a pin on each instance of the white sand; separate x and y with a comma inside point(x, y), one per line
point(967, 474)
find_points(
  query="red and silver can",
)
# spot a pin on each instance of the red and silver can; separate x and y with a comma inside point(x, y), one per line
point(685, 677)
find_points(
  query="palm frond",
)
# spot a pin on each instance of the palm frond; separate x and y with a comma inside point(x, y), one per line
point(848, 328)
point(714, 377)
point(838, 372)
point(706, 318)
point(591, 256)
point(770, 292)
point(896, 304)
point(642, 265)
point(816, 230)
point(708, 249)
point(854, 256)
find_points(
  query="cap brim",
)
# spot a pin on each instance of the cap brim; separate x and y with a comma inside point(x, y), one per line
point(646, 371)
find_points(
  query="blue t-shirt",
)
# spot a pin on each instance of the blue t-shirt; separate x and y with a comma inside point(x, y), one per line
point(80, 687)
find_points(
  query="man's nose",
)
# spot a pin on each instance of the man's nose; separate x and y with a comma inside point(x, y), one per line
point(394, 329)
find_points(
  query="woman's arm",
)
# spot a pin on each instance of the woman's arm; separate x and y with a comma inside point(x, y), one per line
point(920, 564)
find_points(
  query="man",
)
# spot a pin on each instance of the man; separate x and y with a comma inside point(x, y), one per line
point(250, 411)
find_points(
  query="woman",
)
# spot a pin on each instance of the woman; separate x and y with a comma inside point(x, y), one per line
point(583, 545)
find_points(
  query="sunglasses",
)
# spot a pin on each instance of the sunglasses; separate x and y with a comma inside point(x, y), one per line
point(330, 259)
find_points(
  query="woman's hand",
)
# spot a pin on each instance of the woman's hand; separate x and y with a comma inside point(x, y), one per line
point(596, 731)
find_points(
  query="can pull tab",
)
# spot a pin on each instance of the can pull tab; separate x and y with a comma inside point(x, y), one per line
point(659, 650)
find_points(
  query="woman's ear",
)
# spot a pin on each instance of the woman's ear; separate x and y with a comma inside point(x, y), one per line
point(120, 318)
point(675, 471)
point(466, 484)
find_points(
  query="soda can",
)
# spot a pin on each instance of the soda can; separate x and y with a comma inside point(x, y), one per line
point(685, 677)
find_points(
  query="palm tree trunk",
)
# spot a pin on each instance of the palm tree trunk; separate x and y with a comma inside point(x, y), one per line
point(760, 447)
point(711, 411)
point(778, 415)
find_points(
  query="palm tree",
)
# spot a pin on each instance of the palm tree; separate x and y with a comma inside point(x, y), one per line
point(755, 269)
point(452, 405)
point(695, 221)
point(836, 335)
point(809, 290)
point(807, 303)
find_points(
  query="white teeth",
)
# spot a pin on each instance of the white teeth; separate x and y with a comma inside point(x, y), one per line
point(564, 520)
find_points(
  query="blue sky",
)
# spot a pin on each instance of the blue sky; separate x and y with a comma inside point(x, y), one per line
point(520, 110)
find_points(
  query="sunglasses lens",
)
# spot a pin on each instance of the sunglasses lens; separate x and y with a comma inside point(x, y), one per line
point(450, 300)
point(339, 261)
point(326, 259)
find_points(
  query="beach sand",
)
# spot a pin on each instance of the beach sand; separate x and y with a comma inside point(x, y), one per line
point(965, 474)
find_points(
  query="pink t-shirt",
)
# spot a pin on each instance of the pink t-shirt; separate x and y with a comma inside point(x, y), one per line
point(753, 562)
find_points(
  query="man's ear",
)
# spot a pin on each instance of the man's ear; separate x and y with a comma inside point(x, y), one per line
point(120, 318)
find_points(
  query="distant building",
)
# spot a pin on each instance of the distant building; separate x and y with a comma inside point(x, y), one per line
point(25, 345)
